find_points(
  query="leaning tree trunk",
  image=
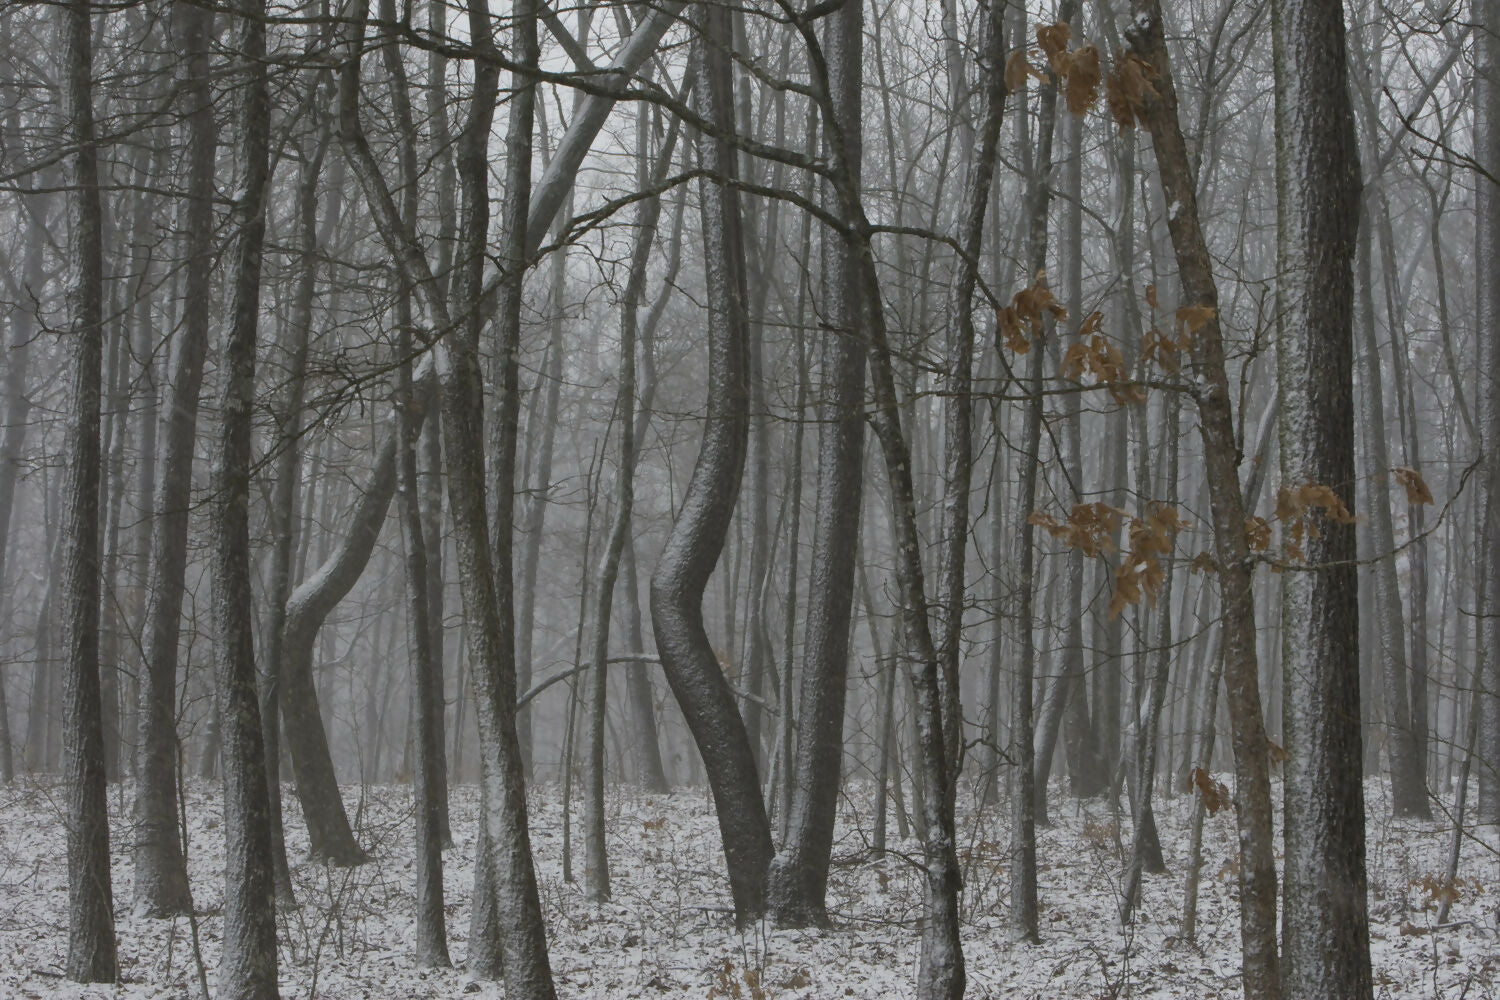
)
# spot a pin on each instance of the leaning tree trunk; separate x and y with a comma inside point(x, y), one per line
point(698, 536)
point(1257, 868)
point(247, 968)
point(91, 929)
point(1325, 925)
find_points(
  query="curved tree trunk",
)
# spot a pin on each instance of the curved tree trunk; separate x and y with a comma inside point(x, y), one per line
point(697, 538)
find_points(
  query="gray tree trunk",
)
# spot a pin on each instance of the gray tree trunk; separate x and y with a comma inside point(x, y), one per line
point(799, 876)
point(698, 536)
point(91, 930)
point(1487, 321)
point(1252, 795)
point(1403, 748)
point(161, 884)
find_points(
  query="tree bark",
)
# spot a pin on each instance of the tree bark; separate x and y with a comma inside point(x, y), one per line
point(697, 538)
point(91, 931)
point(247, 968)
point(1257, 869)
point(1325, 925)
point(799, 875)
point(161, 883)
point(1487, 321)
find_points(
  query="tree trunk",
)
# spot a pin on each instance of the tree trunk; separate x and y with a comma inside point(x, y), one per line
point(161, 882)
point(1487, 322)
point(1145, 846)
point(17, 409)
point(799, 876)
point(1257, 869)
point(698, 536)
point(1403, 749)
point(91, 931)
point(958, 416)
point(247, 968)
point(1325, 926)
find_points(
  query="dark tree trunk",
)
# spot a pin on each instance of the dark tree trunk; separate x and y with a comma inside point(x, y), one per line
point(247, 969)
point(91, 929)
point(1325, 925)
point(697, 538)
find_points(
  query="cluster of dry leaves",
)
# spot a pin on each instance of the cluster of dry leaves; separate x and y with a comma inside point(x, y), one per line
point(1077, 74)
point(1092, 528)
point(1027, 313)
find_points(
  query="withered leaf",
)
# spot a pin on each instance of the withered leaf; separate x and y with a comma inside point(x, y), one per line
point(1083, 80)
point(1416, 487)
point(1053, 40)
point(1215, 794)
point(1017, 70)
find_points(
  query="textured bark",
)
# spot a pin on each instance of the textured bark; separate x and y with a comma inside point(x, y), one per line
point(1325, 925)
point(161, 883)
point(1487, 321)
point(1257, 870)
point(697, 538)
point(91, 931)
point(799, 876)
point(247, 968)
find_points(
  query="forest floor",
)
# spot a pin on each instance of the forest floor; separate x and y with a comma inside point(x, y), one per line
point(668, 932)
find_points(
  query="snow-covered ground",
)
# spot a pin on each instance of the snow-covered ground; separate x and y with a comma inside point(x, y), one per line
point(668, 933)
